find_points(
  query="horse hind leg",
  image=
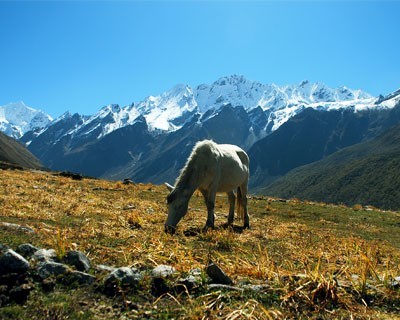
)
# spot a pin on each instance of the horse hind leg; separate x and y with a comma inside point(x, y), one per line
point(242, 200)
point(231, 215)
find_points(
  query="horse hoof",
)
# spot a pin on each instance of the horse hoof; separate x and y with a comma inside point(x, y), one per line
point(206, 228)
point(246, 226)
point(169, 229)
point(228, 226)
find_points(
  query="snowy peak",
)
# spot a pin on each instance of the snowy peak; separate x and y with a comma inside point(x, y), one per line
point(17, 119)
point(170, 110)
point(235, 90)
point(161, 111)
point(390, 100)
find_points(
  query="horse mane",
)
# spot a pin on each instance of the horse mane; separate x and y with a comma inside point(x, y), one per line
point(190, 170)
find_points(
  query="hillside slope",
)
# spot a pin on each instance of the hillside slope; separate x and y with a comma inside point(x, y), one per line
point(288, 265)
point(311, 136)
point(366, 173)
point(15, 154)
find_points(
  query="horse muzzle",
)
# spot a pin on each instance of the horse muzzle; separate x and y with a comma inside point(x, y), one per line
point(169, 229)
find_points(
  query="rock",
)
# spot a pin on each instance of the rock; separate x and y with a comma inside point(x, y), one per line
point(12, 262)
point(77, 259)
point(17, 227)
point(160, 283)
point(104, 268)
point(13, 279)
point(81, 278)
point(3, 248)
point(218, 286)
point(128, 181)
point(256, 287)
point(73, 176)
point(122, 278)
point(217, 275)
point(51, 268)
point(4, 298)
point(163, 271)
point(19, 294)
point(45, 255)
point(48, 284)
point(26, 250)
point(396, 283)
point(192, 282)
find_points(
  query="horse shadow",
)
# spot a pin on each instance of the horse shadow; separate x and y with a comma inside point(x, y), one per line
point(195, 231)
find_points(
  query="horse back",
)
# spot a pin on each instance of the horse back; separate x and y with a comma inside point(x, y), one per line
point(228, 150)
point(234, 165)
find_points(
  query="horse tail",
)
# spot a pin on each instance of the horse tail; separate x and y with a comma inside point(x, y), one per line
point(239, 201)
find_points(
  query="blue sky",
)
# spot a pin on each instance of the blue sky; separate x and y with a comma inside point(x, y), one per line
point(80, 56)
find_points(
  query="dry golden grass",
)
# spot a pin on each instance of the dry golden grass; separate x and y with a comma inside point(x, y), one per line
point(314, 260)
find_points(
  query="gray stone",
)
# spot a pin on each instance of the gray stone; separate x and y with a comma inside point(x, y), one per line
point(17, 227)
point(123, 276)
point(104, 268)
point(256, 287)
point(217, 275)
point(45, 255)
point(196, 272)
point(26, 250)
point(19, 294)
point(192, 281)
point(161, 275)
point(81, 277)
point(77, 259)
point(163, 271)
point(218, 286)
point(50, 268)
point(12, 262)
point(128, 181)
point(3, 248)
point(396, 282)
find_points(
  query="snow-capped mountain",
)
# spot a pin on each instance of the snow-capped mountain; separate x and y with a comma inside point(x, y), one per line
point(281, 102)
point(151, 140)
point(170, 110)
point(164, 111)
point(16, 119)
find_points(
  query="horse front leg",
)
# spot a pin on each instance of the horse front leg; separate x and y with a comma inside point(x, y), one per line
point(209, 197)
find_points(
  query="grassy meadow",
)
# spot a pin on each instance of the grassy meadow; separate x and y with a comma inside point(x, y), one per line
point(311, 260)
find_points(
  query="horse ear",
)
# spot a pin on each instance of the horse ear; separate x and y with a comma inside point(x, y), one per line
point(169, 187)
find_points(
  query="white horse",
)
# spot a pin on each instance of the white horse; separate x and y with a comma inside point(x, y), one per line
point(211, 168)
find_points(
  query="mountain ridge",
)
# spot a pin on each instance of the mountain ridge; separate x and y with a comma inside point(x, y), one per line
point(313, 135)
point(169, 110)
point(366, 173)
point(14, 155)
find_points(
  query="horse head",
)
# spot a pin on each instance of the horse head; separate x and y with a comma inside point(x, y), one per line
point(177, 208)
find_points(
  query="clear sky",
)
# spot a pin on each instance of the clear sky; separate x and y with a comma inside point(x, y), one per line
point(80, 56)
